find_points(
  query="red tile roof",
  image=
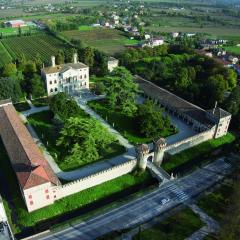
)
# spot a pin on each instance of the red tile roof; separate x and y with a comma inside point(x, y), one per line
point(31, 168)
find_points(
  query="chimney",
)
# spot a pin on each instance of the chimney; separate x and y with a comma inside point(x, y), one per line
point(53, 61)
point(75, 58)
point(215, 107)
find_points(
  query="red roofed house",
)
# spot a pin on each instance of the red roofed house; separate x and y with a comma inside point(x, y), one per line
point(15, 23)
point(35, 176)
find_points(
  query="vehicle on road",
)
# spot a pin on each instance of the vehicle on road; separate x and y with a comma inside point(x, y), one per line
point(164, 201)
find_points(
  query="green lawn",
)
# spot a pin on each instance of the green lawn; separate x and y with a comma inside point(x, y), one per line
point(85, 28)
point(108, 40)
point(47, 132)
point(22, 106)
point(20, 218)
point(197, 154)
point(233, 49)
point(176, 227)
point(215, 204)
point(125, 125)
point(8, 31)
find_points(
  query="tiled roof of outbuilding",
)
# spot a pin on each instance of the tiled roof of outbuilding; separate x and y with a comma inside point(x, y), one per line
point(31, 168)
point(175, 102)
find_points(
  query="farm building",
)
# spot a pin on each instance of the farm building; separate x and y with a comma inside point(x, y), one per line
point(112, 63)
point(35, 176)
point(68, 78)
point(15, 23)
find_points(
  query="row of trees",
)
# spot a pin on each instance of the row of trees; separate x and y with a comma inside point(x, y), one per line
point(23, 79)
point(197, 78)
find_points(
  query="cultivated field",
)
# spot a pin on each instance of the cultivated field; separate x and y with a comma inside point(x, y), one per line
point(15, 31)
point(5, 57)
point(107, 40)
point(42, 45)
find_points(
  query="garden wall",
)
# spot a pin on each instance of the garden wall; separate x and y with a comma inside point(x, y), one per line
point(190, 142)
point(95, 179)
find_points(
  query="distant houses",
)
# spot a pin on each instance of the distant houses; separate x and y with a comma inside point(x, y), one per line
point(15, 23)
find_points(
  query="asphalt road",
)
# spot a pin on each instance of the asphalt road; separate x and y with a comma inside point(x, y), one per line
point(147, 207)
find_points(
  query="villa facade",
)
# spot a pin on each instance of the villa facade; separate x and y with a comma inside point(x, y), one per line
point(68, 78)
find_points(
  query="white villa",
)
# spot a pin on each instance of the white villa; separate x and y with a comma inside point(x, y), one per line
point(69, 77)
point(112, 63)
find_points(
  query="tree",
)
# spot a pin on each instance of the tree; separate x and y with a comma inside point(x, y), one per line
point(37, 86)
point(10, 88)
point(64, 106)
point(10, 70)
point(151, 120)
point(88, 56)
point(60, 57)
point(215, 88)
point(121, 91)
point(82, 139)
point(183, 80)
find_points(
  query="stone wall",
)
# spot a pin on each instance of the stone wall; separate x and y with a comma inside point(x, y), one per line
point(95, 179)
point(190, 142)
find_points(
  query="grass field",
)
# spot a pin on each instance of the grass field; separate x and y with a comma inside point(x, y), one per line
point(233, 49)
point(216, 203)
point(15, 31)
point(223, 32)
point(19, 217)
point(42, 123)
point(107, 40)
point(39, 44)
point(5, 57)
point(177, 227)
point(125, 125)
point(196, 155)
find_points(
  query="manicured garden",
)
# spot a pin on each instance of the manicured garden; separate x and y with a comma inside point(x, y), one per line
point(40, 102)
point(49, 133)
point(177, 227)
point(126, 125)
point(197, 155)
point(22, 106)
point(19, 217)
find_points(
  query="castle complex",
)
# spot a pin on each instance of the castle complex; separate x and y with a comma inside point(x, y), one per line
point(39, 184)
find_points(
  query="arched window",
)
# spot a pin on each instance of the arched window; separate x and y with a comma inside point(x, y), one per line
point(50, 82)
point(51, 90)
point(56, 89)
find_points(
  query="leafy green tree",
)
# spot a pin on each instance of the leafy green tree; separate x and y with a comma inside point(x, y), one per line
point(37, 86)
point(82, 139)
point(88, 56)
point(64, 106)
point(10, 70)
point(183, 80)
point(151, 120)
point(60, 57)
point(10, 88)
point(121, 91)
point(215, 88)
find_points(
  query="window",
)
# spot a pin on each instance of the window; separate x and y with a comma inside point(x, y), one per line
point(81, 77)
point(55, 81)
point(47, 197)
point(54, 196)
point(31, 202)
point(46, 191)
point(85, 76)
point(30, 196)
point(51, 90)
point(50, 82)
point(56, 89)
